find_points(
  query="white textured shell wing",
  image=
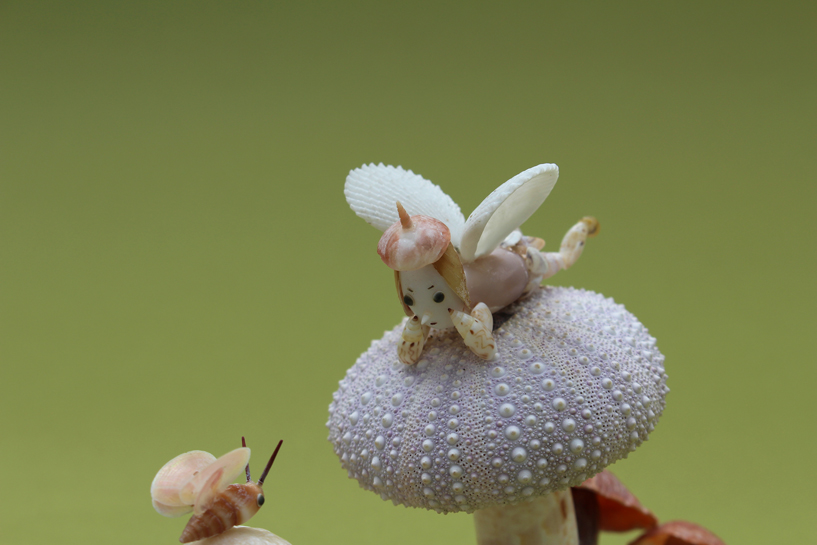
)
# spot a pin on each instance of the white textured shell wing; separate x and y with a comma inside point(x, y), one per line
point(202, 488)
point(167, 484)
point(373, 190)
point(505, 209)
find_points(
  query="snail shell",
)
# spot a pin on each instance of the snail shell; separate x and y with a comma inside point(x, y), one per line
point(174, 475)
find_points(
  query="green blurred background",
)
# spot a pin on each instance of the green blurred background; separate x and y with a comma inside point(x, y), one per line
point(178, 265)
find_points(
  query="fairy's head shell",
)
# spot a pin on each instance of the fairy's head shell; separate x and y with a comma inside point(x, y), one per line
point(413, 242)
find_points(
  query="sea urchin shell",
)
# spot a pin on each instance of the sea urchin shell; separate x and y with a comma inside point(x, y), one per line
point(577, 385)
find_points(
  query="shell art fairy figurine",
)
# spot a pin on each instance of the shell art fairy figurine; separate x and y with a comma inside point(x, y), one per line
point(451, 272)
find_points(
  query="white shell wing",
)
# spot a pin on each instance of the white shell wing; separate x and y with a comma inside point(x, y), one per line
point(372, 191)
point(203, 488)
point(506, 209)
point(167, 484)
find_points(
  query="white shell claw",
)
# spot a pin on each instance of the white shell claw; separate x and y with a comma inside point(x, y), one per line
point(412, 341)
point(174, 475)
point(372, 191)
point(505, 209)
point(476, 330)
point(573, 242)
point(569, 252)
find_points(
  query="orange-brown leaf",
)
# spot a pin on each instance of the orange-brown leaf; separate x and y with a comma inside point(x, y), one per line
point(678, 532)
point(619, 509)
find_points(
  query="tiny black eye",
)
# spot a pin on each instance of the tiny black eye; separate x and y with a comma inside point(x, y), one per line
point(439, 297)
point(408, 300)
point(260, 500)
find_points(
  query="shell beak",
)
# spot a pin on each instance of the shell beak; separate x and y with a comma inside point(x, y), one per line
point(426, 318)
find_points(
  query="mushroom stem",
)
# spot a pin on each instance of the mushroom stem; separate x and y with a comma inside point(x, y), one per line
point(547, 520)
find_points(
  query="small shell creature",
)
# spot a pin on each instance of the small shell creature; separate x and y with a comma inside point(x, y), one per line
point(451, 272)
point(196, 481)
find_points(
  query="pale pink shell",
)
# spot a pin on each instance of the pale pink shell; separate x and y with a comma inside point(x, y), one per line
point(174, 475)
point(409, 249)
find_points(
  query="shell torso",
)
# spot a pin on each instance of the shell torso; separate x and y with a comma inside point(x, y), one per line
point(234, 506)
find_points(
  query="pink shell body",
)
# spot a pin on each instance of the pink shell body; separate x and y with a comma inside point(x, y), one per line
point(497, 279)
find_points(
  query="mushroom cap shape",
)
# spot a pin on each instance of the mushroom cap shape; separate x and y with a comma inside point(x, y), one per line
point(411, 248)
point(578, 384)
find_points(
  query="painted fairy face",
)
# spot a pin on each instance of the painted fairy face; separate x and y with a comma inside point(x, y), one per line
point(428, 296)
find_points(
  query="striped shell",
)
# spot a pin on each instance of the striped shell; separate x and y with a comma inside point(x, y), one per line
point(234, 505)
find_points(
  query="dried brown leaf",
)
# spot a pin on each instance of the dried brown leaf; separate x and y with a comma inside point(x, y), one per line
point(678, 532)
point(619, 509)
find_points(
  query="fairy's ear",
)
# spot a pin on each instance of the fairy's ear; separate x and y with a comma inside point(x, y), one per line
point(506, 209)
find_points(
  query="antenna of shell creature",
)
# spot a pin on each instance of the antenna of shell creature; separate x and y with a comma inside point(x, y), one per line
point(247, 469)
point(269, 464)
point(405, 219)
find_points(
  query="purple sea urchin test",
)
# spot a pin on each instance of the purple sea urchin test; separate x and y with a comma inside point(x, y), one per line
point(579, 383)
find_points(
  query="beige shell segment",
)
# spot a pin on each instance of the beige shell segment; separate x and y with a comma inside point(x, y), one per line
point(412, 341)
point(475, 330)
point(450, 268)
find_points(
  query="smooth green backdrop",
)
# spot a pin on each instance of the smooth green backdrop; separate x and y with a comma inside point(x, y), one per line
point(178, 265)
